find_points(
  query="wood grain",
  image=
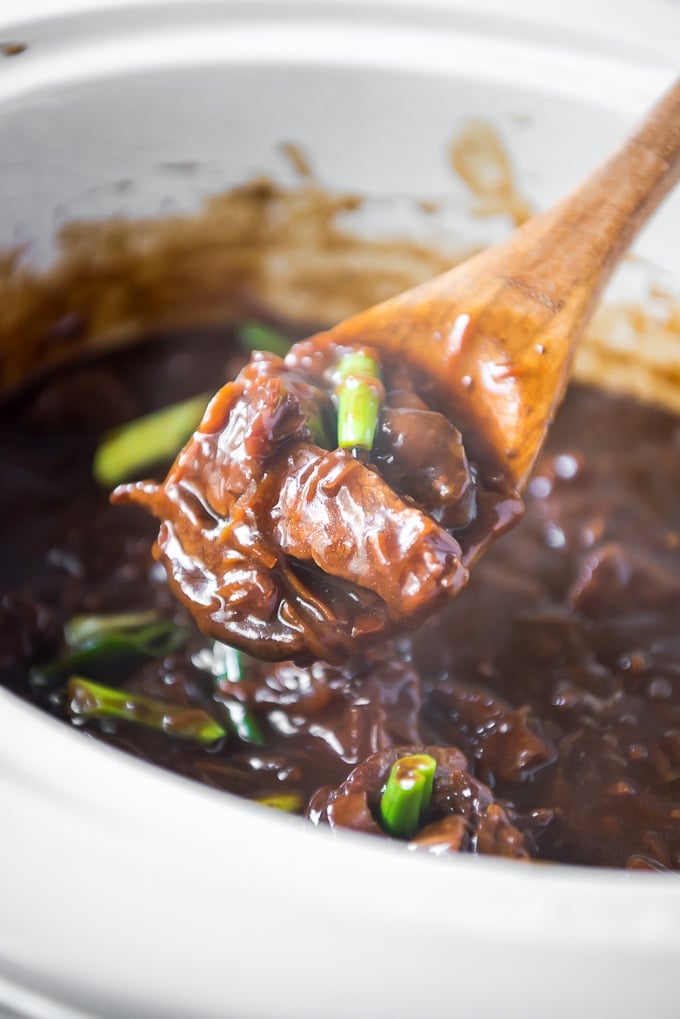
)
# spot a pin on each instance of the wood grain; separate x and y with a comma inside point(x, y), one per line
point(495, 336)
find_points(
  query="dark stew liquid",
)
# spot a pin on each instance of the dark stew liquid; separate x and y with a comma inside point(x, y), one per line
point(547, 691)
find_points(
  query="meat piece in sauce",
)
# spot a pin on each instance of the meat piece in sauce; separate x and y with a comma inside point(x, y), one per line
point(287, 549)
point(556, 674)
point(441, 482)
point(463, 815)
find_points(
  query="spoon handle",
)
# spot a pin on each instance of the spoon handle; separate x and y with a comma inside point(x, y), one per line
point(560, 261)
point(575, 246)
point(545, 280)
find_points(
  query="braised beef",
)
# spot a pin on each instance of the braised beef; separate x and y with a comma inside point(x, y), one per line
point(551, 685)
point(288, 549)
point(462, 816)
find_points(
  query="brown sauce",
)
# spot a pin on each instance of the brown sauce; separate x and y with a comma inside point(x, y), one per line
point(548, 690)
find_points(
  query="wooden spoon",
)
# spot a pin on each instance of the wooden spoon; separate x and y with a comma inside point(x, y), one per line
point(489, 342)
point(493, 339)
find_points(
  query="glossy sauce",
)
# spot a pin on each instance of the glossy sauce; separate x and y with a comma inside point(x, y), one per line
point(550, 685)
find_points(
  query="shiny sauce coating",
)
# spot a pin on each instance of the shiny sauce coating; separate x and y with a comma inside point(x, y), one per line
point(548, 688)
point(287, 546)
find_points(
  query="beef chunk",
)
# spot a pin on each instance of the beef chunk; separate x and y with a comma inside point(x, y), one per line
point(463, 815)
point(282, 547)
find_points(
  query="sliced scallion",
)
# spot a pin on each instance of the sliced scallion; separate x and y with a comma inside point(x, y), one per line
point(359, 395)
point(255, 336)
point(130, 449)
point(407, 794)
point(88, 700)
point(98, 642)
point(146, 632)
point(288, 802)
point(244, 722)
point(228, 663)
point(221, 661)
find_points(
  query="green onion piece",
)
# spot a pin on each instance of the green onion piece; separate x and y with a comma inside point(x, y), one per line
point(254, 336)
point(82, 629)
point(321, 430)
point(244, 722)
point(221, 661)
point(100, 641)
point(289, 802)
point(91, 700)
point(233, 663)
point(407, 794)
point(139, 444)
point(96, 636)
point(225, 662)
point(359, 394)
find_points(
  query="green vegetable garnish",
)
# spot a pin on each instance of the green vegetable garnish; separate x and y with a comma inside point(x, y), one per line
point(289, 802)
point(130, 449)
point(225, 662)
point(221, 661)
point(407, 794)
point(92, 700)
point(100, 641)
point(243, 722)
point(254, 336)
point(145, 632)
point(322, 429)
point(359, 395)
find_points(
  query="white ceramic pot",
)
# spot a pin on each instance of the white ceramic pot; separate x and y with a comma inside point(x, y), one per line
point(126, 891)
